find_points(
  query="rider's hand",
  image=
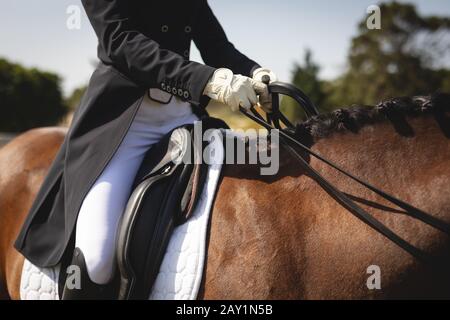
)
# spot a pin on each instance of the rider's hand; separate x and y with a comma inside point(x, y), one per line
point(234, 90)
point(265, 99)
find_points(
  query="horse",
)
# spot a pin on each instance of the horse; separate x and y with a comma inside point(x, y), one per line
point(283, 236)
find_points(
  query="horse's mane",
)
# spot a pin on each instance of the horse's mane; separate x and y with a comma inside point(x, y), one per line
point(355, 117)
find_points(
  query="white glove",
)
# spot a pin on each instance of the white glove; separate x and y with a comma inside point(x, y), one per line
point(265, 99)
point(234, 90)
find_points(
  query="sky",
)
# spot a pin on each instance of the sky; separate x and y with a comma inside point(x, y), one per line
point(274, 33)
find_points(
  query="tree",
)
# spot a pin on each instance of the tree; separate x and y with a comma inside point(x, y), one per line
point(306, 77)
point(402, 58)
point(28, 98)
point(75, 98)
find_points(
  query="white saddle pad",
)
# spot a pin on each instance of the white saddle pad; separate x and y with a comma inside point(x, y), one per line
point(180, 274)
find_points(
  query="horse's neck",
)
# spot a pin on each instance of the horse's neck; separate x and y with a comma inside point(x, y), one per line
point(384, 153)
point(291, 238)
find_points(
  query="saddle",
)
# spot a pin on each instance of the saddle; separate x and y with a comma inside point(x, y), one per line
point(165, 192)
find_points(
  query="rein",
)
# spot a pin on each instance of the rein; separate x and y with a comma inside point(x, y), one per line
point(274, 121)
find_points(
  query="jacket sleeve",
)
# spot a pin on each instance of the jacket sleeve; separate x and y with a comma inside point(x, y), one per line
point(140, 58)
point(216, 50)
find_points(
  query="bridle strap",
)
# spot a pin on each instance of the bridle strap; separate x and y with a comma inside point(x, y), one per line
point(290, 143)
point(356, 210)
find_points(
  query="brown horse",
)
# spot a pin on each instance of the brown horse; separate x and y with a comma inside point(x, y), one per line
point(283, 237)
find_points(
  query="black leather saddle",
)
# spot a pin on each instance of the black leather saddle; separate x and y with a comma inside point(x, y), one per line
point(165, 192)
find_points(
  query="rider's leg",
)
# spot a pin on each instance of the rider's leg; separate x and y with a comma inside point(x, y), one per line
point(104, 204)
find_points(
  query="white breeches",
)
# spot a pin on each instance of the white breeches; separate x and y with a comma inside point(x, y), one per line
point(105, 202)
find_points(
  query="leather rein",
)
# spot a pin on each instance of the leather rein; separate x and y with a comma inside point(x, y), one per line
point(274, 121)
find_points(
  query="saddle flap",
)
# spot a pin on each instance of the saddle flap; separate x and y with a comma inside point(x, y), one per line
point(165, 192)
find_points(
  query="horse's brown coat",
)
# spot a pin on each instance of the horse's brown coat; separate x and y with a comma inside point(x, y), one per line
point(24, 162)
point(289, 239)
point(284, 237)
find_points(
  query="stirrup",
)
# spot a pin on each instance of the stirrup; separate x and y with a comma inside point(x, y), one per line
point(88, 290)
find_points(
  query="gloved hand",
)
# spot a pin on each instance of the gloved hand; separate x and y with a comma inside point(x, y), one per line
point(234, 90)
point(265, 99)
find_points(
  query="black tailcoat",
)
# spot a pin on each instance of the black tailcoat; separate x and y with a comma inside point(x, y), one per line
point(142, 45)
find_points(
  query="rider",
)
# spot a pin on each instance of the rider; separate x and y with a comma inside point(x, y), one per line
point(142, 45)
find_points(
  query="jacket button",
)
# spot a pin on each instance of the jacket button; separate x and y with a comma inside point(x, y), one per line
point(163, 86)
point(186, 53)
point(180, 92)
point(174, 90)
point(169, 89)
point(187, 29)
point(186, 95)
point(165, 28)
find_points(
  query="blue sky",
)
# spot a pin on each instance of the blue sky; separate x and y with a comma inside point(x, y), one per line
point(272, 32)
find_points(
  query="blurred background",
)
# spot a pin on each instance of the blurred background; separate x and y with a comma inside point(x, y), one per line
point(323, 47)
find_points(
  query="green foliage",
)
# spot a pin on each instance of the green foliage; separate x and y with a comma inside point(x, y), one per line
point(397, 60)
point(401, 59)
point(28, 98)
point(306, 77)
point(74, 100)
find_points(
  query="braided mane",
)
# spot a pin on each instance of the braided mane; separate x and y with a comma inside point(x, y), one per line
point(357, 116)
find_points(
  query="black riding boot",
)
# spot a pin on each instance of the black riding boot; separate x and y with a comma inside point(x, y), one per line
point(88, 290)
